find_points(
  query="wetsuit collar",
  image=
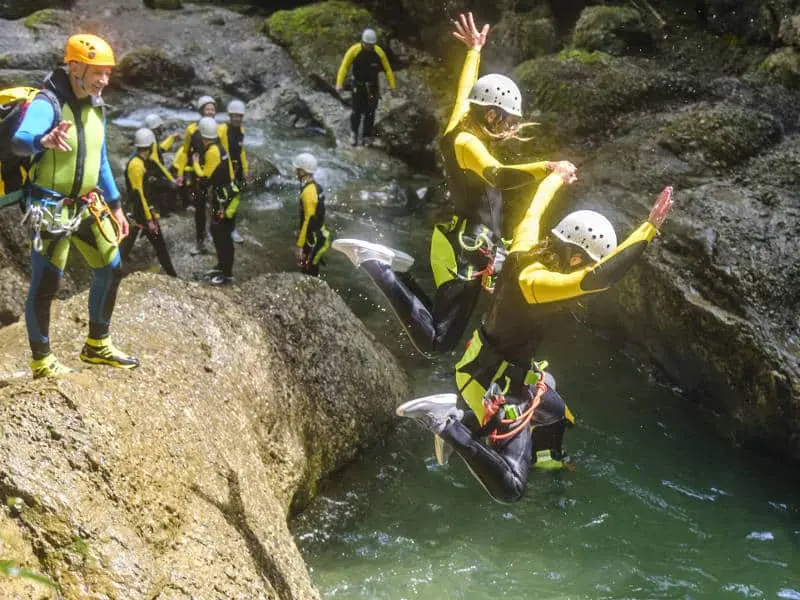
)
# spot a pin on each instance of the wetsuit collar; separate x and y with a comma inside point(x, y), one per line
point(58, 83)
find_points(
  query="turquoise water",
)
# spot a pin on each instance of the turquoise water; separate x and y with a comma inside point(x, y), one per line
point(659, 507)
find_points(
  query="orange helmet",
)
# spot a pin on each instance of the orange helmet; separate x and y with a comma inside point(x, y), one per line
point(89, 50)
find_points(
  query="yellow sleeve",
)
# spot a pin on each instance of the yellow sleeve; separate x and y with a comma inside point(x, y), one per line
point(243, 159)
point(233, 205)
point(347, 60)
point(212, 161)
point(222, 132)
point(309, 199)
point(155, 158)
point(387, 68)
point(539, 285)
point(182, 156)
point(526, 233)
point(468, 77)
point(167, 143)
point(473, 156)
point(136, 171)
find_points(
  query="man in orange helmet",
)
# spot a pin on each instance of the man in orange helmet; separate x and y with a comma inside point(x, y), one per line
point(72, 199)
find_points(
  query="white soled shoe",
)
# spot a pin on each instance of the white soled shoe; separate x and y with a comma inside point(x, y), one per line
point(432, 412)
point(359, 251)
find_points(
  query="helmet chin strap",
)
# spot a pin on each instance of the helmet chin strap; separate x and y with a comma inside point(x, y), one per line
point(80, 81)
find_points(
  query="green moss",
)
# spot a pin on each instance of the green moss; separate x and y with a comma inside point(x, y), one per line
point(583, 56)
point(782, 67)
point(613, 29)
point(318, 35)
point(80, 546)
point(46, 16)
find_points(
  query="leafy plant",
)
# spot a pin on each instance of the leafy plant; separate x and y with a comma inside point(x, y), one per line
point(9, 569)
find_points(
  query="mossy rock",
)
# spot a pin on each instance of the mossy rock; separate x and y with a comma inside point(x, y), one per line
point(318, 35)
point(583, 92)
point(519, 37)
point(616, 30)
point(782, 66)
point(151, 69)
point(47, 17)
point(163, 4)
point(721, 136)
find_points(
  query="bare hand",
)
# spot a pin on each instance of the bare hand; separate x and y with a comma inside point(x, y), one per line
point(565, 169)
point(56, 139)
point(179, 181)
point(152, 226)
point(195, 157)
point(298, 254)
point(467, 32)
point(660, 210)
point(248, 179)
point(124, 227)
point(338, 89)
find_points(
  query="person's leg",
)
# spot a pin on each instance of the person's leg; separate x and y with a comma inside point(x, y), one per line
point(160, 246)
point(47, 267)
point(503, 470)
point(322, 241)
point(371, 106)
point(432, 327)
point(359, 107)
point(97, 244)
point(221, 234)
point(199, 197)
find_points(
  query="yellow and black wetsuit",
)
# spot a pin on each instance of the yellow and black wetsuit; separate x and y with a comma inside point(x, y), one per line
point(462, 250)
point(143, 214)
point(161, 183)
point(314, 237)
point(367, 64)
point(191, 192)
point(216, 176)
point(232, 139)
point(502, 351)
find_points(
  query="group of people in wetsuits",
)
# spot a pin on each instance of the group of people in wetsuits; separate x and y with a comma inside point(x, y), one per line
point(506, 414)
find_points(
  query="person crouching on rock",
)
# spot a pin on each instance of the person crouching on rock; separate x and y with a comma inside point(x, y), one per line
point(215, 173)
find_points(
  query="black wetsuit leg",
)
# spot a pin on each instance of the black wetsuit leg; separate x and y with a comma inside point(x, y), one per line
point(432, 327)
point(199, 196)
point(502, 469)
point(221, 234)
point(160, 246)
point(370, 107)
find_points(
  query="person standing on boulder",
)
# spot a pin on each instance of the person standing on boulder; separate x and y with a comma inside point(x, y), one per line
point(313, 238)
point(503, 393)
point(367, 59)
point(466, 253)
point(72, 200)
point(213, 169)
point(231, 134)
point(146, 218)
point(193, 144)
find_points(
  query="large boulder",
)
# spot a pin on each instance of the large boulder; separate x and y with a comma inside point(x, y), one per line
point(408, 133)
point(519, 37)
point(153, 69)
point(182, 473)
point(613, 29)
point(782, 66)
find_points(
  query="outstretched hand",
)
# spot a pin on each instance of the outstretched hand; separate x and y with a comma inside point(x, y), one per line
point(56, 139)
point(661, 208)
point(468, 32)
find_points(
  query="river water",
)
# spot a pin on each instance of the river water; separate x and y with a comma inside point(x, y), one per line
point(658, 507)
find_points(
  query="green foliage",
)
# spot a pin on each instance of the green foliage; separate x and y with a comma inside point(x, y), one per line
point(9, 569)
point(782, 67)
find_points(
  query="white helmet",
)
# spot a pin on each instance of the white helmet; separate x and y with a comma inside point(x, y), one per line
point(497, 90)
point(208, 128)
point(236, 107)
point(305, 161)
point(143, 138)
point(368, 36)
point(153, 121)
point(203, 100)
point(588, 229)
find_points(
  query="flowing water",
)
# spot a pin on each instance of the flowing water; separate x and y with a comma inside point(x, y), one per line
point(658, 507)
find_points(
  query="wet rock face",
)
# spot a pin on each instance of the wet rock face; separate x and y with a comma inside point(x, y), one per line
point(409, 132)
point(15, 9)
point(181, 474)
point(146, 68)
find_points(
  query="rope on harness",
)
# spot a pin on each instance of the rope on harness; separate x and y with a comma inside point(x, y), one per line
point(523, 420)
point(98, 208)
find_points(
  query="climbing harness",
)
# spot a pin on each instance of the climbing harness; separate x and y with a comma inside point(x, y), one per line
point(514, 417)
point(50, 211)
